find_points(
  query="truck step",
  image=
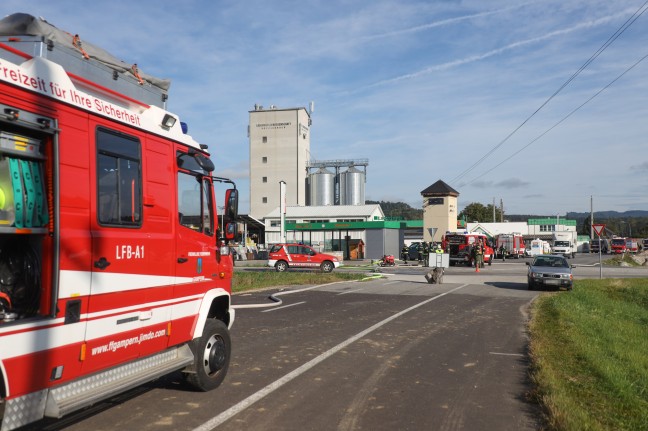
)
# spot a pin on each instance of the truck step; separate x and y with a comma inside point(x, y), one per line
point(87, 391)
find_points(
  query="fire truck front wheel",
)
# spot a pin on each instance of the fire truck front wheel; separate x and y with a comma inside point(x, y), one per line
point(212, 355)
point(327, 266)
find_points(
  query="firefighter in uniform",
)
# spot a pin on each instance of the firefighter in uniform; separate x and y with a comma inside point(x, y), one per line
point(479, 254)
point(404, 253)
point(426, 252)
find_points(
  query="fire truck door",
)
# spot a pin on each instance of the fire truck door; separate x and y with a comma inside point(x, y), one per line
point(118, 307)
point(196, 265)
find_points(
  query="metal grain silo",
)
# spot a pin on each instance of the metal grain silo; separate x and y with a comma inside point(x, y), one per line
point(322, 190)
point(352, 187)
point(341, 179)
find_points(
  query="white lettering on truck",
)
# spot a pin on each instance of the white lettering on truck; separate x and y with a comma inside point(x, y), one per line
point(129, 252)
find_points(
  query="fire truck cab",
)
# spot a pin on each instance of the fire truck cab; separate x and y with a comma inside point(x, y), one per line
point(618, 245)
point(459, 245)
point(111, 270)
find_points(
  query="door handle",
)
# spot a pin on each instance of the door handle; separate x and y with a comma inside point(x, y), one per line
point(102, 263)
point(182, 259)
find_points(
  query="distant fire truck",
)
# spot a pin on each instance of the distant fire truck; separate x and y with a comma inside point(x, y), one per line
point(618, 245)
point(459, 245)
point(112, 272)
point(511, 244)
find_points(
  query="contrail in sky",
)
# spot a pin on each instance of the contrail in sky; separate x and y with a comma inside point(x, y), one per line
point(473, 58)
point(443, 22)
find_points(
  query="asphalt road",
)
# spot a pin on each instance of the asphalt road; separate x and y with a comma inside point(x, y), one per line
point(389, 353)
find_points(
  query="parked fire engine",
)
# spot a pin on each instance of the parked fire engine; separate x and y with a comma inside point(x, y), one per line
point(111, 271)
point(632, 246)
point(459, 245)
point(618, 245)
point(512, 245)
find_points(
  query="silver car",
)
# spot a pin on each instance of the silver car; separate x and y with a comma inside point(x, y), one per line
point(550, 270)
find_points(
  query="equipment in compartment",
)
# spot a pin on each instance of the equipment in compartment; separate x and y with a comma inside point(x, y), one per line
point(22, 193)
point(23, 209)
point(20, 283)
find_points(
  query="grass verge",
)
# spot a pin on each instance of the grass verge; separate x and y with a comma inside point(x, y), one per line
point(244, 281)
point(617, 260)
point(589, 353)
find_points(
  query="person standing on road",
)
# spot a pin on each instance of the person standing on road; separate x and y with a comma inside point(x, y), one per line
point(502, 251)
point(479, 254)
point(404, 253)
point(426, 252)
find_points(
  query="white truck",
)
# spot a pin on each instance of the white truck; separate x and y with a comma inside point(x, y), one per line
point(564, 243)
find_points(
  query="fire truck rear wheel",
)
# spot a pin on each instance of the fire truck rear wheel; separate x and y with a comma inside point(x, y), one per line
point(281, 266)
point(212, 356)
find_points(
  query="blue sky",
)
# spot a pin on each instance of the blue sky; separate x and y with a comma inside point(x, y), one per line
point(423, 89)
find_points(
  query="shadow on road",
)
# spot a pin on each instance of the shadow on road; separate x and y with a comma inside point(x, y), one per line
point(507, 285)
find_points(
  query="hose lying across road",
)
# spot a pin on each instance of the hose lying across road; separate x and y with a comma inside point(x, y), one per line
point(275, 296)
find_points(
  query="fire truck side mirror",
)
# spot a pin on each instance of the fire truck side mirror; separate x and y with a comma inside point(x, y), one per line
point(230, 230)
point(231, 204)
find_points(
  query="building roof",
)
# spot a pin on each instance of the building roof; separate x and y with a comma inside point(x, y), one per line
point(251, 221)
point(494, 229)
point(440, 189)
point(329, 211)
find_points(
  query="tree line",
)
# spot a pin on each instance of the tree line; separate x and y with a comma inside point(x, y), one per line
point(628, 224)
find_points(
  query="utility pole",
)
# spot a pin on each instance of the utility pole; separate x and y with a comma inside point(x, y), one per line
point(282, 211)
point(592, 219)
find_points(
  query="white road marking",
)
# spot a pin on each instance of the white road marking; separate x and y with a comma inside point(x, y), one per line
point(506, 354)
point(350, 291)
point(285, 306)
point(237, 408)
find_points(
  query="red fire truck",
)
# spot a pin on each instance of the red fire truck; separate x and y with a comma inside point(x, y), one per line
point(112, 272)
point(618, 245)
point(512, 245)
point(459, 244)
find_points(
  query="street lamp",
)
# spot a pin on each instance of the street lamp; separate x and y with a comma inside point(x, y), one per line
point(222, 228)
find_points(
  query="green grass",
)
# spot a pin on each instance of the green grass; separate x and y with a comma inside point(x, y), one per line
point(250, 280)
point(589, 353)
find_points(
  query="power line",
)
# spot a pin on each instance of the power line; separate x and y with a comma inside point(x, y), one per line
point(598, 52)
point(561, 120)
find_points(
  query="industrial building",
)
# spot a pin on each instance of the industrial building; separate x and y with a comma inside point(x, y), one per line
point(336, 182)
point(349, 231)
point(279, 151)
